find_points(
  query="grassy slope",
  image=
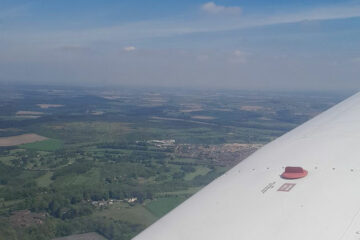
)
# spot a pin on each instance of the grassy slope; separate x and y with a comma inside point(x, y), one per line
point(162, 206)
point(200, 170)
point(44, 180)
point(123, 212)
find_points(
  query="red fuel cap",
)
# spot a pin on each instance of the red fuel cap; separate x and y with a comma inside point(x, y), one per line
point(294, 173)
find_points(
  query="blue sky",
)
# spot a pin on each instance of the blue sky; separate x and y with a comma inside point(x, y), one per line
point(277, 45)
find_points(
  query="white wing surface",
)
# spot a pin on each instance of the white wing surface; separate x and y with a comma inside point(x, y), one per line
point(252, 201)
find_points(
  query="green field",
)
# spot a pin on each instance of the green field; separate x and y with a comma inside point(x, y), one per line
point(187, 192)
point(44, 180)
point(7, 160)
point(84, 174)
point(46, 145)
point(162, 206)
point(132, 214)
point(200, 171)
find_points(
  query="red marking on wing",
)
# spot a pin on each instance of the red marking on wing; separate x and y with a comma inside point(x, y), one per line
point(294, 173)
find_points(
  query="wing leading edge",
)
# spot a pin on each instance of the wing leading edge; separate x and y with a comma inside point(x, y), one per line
point(253, 202)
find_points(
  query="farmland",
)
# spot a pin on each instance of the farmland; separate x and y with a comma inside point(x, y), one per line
point(114, 161)
point(20, 139)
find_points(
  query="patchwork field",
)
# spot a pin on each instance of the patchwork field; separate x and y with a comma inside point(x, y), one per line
point(20, 139)
point(114, 161)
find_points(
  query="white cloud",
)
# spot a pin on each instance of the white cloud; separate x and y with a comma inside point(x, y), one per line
point(238, 53)
point(238, 56)
point(212, 8)
point(129, 49)
point(132, 31)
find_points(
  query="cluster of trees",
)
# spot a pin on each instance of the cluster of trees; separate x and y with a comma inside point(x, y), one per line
point(70, 203)
point(23, 158)
point(7, 173)
point(141, 147)
point(141, 156)
point(52, 228)
point(135, 156)
point(115, 230)
point(76, 202)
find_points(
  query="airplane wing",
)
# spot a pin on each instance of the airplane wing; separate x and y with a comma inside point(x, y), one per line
point(316, 198)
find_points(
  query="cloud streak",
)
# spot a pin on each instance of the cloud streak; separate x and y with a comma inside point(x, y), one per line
point(324, 13)
point(156, 29)
point(177, 52)
point(129, 49)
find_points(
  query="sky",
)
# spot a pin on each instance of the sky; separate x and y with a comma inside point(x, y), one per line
point(227, 44)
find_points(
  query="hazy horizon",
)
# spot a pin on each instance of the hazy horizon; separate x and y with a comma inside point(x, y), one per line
point(245, 45)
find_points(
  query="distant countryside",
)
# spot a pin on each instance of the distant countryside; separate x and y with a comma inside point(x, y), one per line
point(106, 163)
